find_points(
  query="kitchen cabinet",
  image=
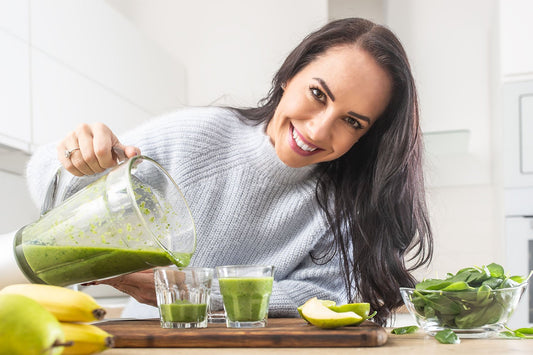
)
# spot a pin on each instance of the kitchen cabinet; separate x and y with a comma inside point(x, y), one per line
point(518, 130)
point(519, 252)
point(515, 35)
point(71, 61)
point(75, 99)
point(14, 18)
point(93, 40)
point(15, 131)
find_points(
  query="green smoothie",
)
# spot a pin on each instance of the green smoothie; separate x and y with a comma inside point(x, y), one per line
point(183, 311)
point(68, 265)
point(246, 298)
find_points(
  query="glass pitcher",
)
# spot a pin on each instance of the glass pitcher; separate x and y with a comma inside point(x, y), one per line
point(132, 218)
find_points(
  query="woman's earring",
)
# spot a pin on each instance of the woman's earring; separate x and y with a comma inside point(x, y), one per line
point(283, 85)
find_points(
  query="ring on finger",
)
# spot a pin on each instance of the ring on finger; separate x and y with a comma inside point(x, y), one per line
point(68, 152)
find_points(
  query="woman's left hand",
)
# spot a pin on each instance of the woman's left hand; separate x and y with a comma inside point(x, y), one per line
point(139, 285)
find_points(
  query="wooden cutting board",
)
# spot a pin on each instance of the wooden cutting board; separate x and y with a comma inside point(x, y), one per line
point(279, 333)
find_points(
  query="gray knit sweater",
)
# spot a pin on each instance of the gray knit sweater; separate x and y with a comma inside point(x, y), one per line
point(248, 207)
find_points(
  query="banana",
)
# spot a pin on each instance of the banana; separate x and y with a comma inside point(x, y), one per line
point(85, 338)
point(65, 304)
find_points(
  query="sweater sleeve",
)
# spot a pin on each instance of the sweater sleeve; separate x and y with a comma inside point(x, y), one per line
point(41, 172)
point(310, 279)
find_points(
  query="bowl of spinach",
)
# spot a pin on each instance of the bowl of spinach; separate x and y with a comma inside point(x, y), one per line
point(475, 302)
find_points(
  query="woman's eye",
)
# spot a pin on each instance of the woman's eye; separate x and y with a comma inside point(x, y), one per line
point(317, 93)
point(352, 122)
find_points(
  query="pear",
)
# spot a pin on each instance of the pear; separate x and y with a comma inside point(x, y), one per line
point(321, 316)
point(27, 328)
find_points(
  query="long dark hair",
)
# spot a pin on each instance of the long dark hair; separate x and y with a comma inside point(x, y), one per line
point(373, 196)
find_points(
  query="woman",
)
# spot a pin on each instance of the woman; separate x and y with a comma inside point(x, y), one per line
point(323, 179)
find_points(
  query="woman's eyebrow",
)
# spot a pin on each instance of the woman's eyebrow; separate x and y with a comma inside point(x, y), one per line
point(364, 118)
point(326, 88)
point(332, 97)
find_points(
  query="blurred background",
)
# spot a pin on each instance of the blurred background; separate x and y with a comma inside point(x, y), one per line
point(123, 62)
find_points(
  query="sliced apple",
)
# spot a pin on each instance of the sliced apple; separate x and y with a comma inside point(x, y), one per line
point(327, 303)
point(321, 316)
point(362, 309)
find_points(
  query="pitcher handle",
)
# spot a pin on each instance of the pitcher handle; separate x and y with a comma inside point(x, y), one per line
point(51, 193)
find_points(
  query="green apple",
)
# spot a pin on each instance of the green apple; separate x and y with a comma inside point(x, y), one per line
point(27, 328)
point(321, 316)
point(362, 309)
point(326, 303)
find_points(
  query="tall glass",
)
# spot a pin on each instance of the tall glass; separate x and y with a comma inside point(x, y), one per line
point(246, 291)
point(132, 218)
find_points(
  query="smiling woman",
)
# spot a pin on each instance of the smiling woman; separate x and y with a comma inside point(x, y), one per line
point(316, 120)
point(322, 180)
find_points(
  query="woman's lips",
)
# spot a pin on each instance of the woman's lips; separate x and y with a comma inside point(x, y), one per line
point(299, 144)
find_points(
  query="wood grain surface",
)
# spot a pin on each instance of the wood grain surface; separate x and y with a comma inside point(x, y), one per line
point(279, 333)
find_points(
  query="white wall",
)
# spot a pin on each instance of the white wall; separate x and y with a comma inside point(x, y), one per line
point(453, 47)
point(231, 48)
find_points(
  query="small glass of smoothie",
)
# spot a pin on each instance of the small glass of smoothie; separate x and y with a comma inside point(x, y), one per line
point(246, 293)
point(183, 295)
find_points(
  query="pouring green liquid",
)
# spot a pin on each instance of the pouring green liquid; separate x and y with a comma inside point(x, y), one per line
point(106, 230)
point(68, 265)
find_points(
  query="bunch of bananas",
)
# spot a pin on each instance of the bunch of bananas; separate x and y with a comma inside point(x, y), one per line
point(74, 310)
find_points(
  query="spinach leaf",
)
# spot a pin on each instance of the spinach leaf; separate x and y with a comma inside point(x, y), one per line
point(495, 270)
point(440, 303)
point(447, 336)
point(458, 286)
point(524, 333)
point(432, 284)
point(520, 333)
point(405, 330)
point(466, 299)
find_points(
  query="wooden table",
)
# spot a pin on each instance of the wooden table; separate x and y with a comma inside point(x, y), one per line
point(410, 344)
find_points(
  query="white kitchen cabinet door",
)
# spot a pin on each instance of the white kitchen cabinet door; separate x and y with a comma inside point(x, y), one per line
point(15, 129)
point(519, 261)
point(14, 18)
point(518, 134)
point(63, 98)
point(516, 28)
point(526, 134)
point(94, 40)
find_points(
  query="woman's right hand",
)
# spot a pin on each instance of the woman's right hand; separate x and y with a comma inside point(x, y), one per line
point(95, 154)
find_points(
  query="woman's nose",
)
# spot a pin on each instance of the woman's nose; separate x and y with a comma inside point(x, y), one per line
point(319, 128)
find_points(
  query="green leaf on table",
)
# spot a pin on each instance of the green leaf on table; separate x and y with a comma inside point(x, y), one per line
point(447, 336)
point(405, 330)
point(520, 333)
point(526, 333)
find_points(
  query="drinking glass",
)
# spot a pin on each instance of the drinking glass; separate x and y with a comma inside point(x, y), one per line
point(183, 296)
point(246, 291)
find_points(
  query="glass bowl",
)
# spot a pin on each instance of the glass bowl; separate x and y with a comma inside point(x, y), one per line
point(470, 314)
